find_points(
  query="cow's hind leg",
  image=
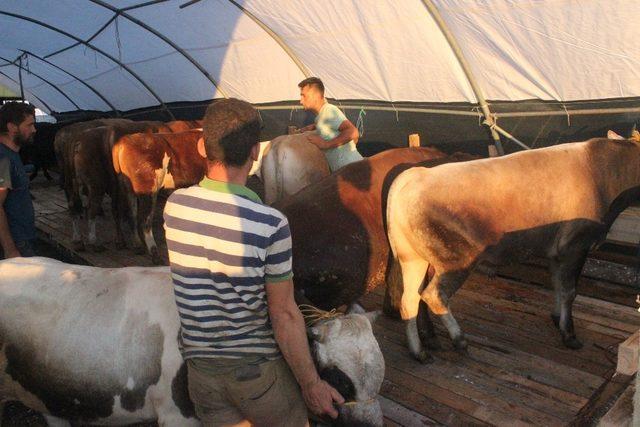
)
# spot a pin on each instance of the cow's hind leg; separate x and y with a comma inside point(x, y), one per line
point(564, 276)
point(437, 294)
point(146, 207)
point(413, 273)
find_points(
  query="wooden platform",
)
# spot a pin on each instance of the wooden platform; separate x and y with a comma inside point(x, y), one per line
point(516, 371)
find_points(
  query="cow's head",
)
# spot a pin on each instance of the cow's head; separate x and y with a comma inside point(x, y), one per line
point(348, 357)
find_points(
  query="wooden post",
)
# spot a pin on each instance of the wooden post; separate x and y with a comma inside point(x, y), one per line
point(628, 354)
point(414, 140)
point(291, 130)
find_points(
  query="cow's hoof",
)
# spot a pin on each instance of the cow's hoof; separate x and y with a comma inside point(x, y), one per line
point(556, 320)
point(77, 246)
point(96, 248)
point(424, 357)
point(572, 342)
point(460, 345)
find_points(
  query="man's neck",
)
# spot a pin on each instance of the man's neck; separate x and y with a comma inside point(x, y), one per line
point(9, 142)
point(318, 107)
point(233, 175)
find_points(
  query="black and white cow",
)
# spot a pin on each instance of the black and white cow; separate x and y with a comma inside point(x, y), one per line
point(99, 346)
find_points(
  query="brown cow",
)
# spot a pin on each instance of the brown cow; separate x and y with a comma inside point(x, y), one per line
point(337, 227)
point(455, 216)
point(86, 158)
point(183, 125)
point(147, 163)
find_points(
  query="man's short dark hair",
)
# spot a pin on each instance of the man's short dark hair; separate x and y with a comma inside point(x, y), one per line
point(231, 128)
point(313, 82)
point(16, 113)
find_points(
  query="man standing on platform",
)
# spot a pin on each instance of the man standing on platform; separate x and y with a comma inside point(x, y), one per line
point(336, 135)
point(17, 218)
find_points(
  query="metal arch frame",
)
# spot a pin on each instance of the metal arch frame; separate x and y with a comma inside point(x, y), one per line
point(121, 12)
point(275, 37)
point(20, 67)
point(91, 88)
point(36, 97)
point(105, 54)
point(466, 68)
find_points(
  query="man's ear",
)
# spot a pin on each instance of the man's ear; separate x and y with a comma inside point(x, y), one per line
point(201, 150)
point(255, 152)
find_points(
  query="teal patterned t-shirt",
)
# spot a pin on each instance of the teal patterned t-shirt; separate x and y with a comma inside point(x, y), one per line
point(328, 122)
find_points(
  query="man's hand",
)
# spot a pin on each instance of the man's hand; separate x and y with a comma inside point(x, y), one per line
point(319, 397)
point(316, 140)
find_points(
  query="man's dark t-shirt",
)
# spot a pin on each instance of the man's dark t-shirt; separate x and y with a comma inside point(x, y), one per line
point(17, 206)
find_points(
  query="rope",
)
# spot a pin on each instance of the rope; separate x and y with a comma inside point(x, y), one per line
point(313, 315)
point(360, 122)
point(358, 402)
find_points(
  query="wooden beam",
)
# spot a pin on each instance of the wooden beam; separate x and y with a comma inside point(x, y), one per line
point(628, 354)
point(414, 140)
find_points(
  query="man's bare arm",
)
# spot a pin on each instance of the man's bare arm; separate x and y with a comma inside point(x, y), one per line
point(290, 333)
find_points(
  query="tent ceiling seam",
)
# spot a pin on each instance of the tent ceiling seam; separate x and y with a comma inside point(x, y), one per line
point(35, 96)
point(71, 36)
point(105, 100)
point(466, 68)
point(305, 71)
point(164, 39)
point(8, 61)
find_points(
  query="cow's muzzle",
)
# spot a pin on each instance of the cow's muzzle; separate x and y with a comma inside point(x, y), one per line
point(360, 413)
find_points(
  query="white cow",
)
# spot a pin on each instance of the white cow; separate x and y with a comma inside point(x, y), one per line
point(100, 346)
point(289, 164)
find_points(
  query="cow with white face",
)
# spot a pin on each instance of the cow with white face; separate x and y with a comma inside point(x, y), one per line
point(99, 346)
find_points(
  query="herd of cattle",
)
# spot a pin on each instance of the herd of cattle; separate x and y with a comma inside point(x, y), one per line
point(415, 220)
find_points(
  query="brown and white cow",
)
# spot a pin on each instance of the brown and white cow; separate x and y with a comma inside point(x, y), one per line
point(289, 163)
point(100, 346)
point(148, 163)
point(337, 227)
point(555, 202)
point(89, 174)
point(183, 125)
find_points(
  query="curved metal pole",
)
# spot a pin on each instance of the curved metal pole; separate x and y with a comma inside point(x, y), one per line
point(71, 36)
point(43, 103)
point(20, 67)
point(275, 37)
point(164, 39)
point(91, 88)
point(435, 14)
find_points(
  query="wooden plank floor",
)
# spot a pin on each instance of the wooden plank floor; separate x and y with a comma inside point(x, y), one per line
point(515, 372)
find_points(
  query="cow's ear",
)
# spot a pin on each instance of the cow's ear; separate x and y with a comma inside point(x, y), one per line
point(635, 136)
point(201, 150)
point(612, 135)
point(372, 316)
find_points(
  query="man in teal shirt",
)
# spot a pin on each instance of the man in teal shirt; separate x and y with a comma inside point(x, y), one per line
point(335, 135)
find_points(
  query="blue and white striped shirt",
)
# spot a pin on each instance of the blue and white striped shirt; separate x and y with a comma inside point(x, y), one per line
point(224, 246)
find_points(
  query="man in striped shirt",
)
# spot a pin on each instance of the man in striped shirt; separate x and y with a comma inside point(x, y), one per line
point(230, 261)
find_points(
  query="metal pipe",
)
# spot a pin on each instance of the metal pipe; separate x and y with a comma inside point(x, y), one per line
point(453, 43)
point(105, 54)
point(40, 100)
point(507, 134)
point(164, 39)
point(105, 100)
point(275, 37)
point(20, 68)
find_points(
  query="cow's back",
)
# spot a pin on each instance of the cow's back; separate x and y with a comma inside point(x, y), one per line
point(337, 228)
point(85, 343)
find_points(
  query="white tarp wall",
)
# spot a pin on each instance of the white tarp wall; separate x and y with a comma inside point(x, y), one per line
point(84, 54)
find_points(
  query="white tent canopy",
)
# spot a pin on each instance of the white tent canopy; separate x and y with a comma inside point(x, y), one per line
point(108, 55)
